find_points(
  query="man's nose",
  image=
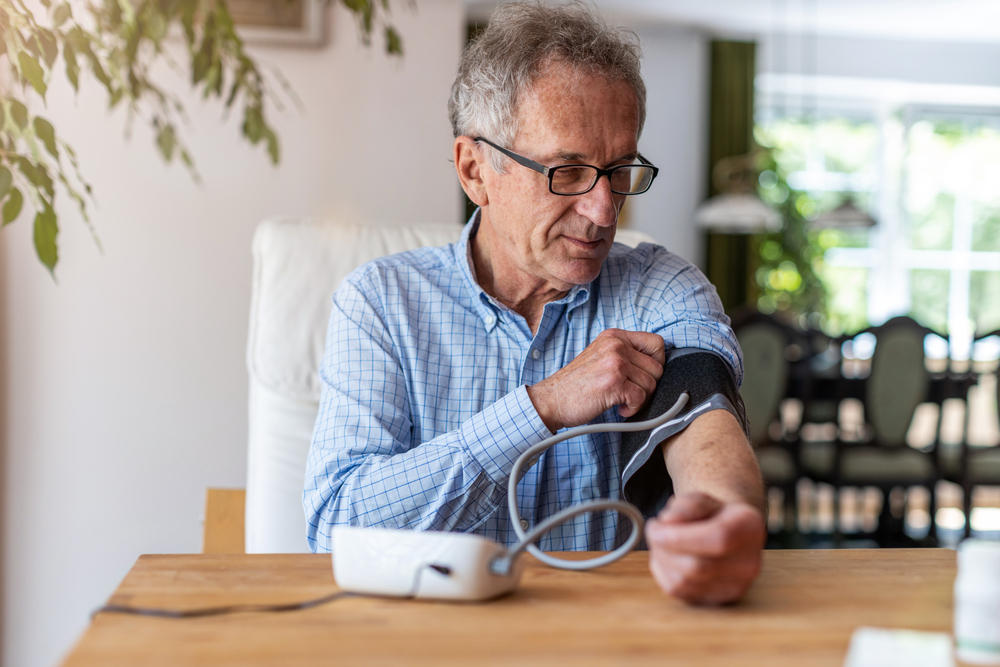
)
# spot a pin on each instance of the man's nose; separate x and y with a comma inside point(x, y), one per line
point(598, 205)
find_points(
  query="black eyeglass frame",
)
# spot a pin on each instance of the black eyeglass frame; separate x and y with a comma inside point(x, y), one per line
point(550, 171)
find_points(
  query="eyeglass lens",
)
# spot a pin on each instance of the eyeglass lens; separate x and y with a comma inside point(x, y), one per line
point(625, 180)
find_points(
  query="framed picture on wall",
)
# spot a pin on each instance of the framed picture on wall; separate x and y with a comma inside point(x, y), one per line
point(279, 22)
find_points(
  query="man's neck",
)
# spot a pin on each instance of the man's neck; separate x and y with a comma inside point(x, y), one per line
point(526, 295)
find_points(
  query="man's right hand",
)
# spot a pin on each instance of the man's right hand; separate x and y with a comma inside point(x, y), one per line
point(619, 368)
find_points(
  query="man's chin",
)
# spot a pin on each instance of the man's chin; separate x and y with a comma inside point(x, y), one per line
point(581, 271)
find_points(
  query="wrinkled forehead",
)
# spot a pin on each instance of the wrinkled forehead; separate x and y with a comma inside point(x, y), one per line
point(560, 80)
point(578, 106)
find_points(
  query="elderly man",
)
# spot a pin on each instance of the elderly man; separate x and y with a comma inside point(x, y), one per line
point(443, 365)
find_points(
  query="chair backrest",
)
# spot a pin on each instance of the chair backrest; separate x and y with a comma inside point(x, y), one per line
point(764, 341)
point(765, 374)
point(898, 381)
point(297, 265)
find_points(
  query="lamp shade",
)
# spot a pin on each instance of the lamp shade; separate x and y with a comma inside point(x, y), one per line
point(737, 213)
point(845, 215)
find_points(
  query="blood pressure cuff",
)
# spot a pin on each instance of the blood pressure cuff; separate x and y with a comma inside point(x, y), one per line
point(710, 385)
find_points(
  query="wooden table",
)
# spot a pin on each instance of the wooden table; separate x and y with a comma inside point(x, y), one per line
point(801, 611)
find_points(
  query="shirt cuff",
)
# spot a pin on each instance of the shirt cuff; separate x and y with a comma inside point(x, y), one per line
point(498, 435)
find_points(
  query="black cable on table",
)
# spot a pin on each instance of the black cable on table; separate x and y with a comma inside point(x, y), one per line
point(217, 611)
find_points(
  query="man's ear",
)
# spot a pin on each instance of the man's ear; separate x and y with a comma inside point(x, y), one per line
point(469, 164)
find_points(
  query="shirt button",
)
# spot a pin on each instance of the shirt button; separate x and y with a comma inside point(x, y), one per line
point(524, 524)
point(490, 319)
point(535, 354)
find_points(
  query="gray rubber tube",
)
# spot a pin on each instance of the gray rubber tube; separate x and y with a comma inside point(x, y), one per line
point(528, 539)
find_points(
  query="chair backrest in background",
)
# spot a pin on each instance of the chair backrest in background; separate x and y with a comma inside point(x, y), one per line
point(765, 375)
point(898, 381)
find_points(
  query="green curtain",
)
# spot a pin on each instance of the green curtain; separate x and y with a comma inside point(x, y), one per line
point(729, 261)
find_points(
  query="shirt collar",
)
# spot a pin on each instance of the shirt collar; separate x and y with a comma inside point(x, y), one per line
point(486, 304)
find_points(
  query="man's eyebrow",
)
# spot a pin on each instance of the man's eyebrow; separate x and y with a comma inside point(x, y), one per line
point(570, 156)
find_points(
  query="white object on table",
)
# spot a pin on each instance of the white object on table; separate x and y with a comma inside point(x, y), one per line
point(883, 647)
point(977, 602)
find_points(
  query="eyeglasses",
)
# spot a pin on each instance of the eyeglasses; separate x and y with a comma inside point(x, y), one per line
point(578, 179)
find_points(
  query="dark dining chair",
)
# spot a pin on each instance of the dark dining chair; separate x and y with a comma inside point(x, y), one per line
point(881, 458)
point(979, 466)
point(768, 345)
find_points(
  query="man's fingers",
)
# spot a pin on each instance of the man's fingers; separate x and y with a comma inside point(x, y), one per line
point(648, 343)
point(700, 538)
point(712, 538)
point(645, 363)
point(692, 506)
point(620, 368)
point(634, 398)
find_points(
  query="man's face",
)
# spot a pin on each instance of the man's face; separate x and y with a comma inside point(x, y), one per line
point(567, 118)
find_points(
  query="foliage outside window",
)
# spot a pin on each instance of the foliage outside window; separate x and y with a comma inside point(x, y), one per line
point(115, 44)
point(952, 207)
point(809, 169)
point(936, 253)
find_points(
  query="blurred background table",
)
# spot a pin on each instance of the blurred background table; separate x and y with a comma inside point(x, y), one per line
point(801, 611)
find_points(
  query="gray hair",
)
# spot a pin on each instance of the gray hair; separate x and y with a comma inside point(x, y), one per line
point(520, 42)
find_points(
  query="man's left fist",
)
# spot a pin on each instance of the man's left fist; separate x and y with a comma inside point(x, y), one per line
point(704, 551)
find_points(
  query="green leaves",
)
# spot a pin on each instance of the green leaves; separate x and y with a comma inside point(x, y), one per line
point(272, 145)
point(166, 141)
point(19, 114)
point(393, 43)
point(46, 230)
point(72, 68)
point(367, 14)
point(81, 44)
point(49, 45)
point(156, 26)
point(45, 132)
point(37, 175)
point(61, 15)
point(253, 124)
point(206, 56)
point(6, 179)
point(13, 206)
point(120, 48)
point(365, 11)
point(32, 72)
point(202, 61)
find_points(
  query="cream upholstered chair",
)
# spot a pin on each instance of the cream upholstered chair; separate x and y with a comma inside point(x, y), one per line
point(297, 265)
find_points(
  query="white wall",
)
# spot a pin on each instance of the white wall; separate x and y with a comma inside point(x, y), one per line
point(123, 387)
point(958, 63)
point(675, 138)
point(676, 70)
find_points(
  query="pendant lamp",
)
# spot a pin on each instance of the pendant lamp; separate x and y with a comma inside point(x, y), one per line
point(847, 215)
point(737, 209)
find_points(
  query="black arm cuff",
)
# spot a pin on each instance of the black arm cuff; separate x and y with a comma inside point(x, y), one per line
point(710, 385)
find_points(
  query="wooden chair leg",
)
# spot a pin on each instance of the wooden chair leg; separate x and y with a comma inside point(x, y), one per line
point(932, 538)
point(967, 508)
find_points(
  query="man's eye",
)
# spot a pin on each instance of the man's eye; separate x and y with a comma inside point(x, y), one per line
point(568, 175)
point(621, 179)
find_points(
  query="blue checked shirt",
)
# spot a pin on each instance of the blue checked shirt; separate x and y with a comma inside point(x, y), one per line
point(424, 407)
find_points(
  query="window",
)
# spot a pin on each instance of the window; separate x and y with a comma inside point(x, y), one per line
point(928, 173)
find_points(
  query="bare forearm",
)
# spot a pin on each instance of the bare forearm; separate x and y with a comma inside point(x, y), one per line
point(712, 456)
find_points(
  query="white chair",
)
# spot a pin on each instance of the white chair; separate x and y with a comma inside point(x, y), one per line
point(297, 265)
